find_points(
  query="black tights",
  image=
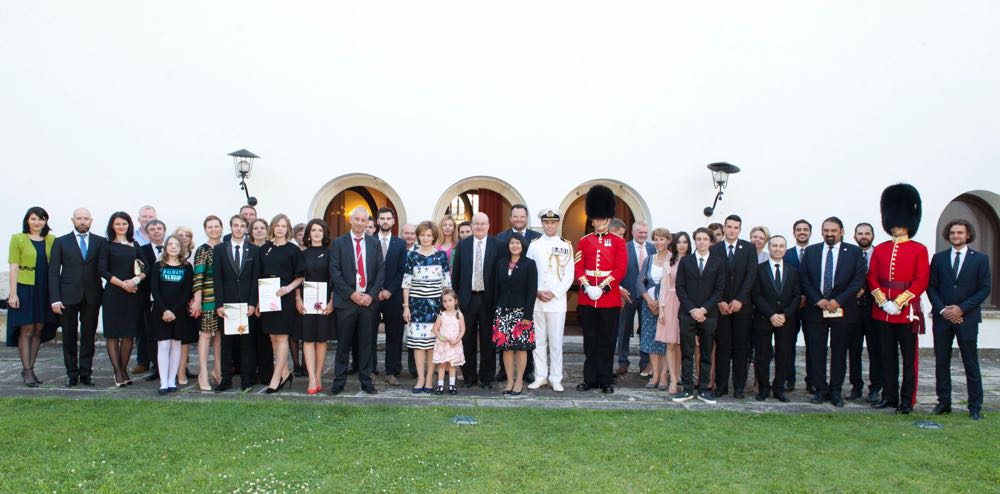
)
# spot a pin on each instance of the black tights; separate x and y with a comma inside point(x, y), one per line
point(120, 350)
point(28, 341)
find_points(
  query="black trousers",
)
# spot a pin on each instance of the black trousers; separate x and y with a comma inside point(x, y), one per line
point(354, 323)
point(263, 367)
point(145, 344)
point(246, 347)
point(783, 338)
point(479, 334)
point(865, 331)
point(84, 316)
point(600, 329)
point(968, 340)
point(392, 316)
point(898, 339)
point(732, 340)
point(705, 332)
point(817, 334)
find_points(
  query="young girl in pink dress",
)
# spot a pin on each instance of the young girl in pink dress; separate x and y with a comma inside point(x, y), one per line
point(448, 331)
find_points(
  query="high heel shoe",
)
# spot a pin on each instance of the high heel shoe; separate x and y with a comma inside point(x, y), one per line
point(270, 391)
point(312, 391)
point(28, 380)
point(287, 380)
point(35, 376)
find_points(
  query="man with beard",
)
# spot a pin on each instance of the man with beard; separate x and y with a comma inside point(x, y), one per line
point(865, 330)
point(75, 290)
point(390, 307)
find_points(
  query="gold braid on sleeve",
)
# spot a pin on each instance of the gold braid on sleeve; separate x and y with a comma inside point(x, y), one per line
point(878, 296)
point(903, 299)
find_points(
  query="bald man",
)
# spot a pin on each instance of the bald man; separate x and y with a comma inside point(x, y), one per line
point(75, 290)
point(475, 260)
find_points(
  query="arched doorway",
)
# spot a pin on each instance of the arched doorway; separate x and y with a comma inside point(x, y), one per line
point(629, 207)
point(335, 201)
point(980, 208)
point(472, 195)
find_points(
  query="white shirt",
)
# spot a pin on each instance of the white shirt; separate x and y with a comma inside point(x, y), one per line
point(961, 259)
point(702, 260)
point(86, 240)
point(158, 250)
point(640, 251)
point(236, 252)
point(364, 260)
point(774, 269)
point(553, 258)
point(384, 240)
point(822, 263)
point(800, 250)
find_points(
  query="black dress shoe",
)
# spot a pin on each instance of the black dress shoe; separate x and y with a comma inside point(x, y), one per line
point(782, 398)
point(486, 386)
point(469, 384)
point(336, 391)
point(903, 410)
point(369, 389)
point(223, 386)
point(975, 415)
point(810, 389)
point(607, 389)
point(86, 381)
point(837, 401)
point(718, 392)
point(790, 386)
point(500, 377)
point(886, 404)
point(155, 376)
point(941, 409)
point(739, 395)
point(855, 394)
point(72, 381)
point(760, 396)
point(584, 387)
point(817, 399)
point(874, 397)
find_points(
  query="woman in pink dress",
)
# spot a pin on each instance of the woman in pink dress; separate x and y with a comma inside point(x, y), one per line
point(668, 325)
point(448, 236)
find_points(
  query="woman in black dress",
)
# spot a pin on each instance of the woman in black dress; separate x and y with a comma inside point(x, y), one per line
point(257, 230)
point(516, 289)
point(171, 283)
point(282, 259)
point(316, 329)
point(121, 264)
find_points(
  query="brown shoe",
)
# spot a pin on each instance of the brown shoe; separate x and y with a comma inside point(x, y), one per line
point(140, 369)
point(391, 380)
point(621, 370)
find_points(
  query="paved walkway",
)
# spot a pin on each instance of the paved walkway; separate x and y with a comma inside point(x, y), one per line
point(629, 394)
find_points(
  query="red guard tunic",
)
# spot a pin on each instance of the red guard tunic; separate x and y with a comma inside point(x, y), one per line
point(601, 260)
point(899, 271)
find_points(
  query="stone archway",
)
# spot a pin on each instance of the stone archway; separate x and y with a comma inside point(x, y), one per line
point(479, 193)
point(370, 191)
point(982, 209)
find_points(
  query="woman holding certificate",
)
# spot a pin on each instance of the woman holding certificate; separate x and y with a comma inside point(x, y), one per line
point(282, 266)
point(120, 262)
point(314, 301)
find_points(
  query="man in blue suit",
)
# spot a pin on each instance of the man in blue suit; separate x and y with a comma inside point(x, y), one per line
point(832, 273)
point(959, 283)
point(638, 250)
point(518, 224)
point(390, 306)
point(802, 231)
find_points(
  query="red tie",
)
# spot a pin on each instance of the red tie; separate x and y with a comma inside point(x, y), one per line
point(361, 262)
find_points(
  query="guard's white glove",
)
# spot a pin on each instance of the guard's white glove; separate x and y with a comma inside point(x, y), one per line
point(594, 292)
point(890, 308)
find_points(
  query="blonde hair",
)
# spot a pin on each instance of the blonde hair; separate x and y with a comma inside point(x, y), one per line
point(184, 229)
point(454, 230)
point(762, 229)
point(288, 227)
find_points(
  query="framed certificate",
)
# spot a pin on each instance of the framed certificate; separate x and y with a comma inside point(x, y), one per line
point(314, 296)
point(830, 314)
point(236, 322)
point(267, 290)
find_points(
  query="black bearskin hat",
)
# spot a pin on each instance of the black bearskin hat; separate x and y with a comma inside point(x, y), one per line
point(600, 203)
point(901, 207)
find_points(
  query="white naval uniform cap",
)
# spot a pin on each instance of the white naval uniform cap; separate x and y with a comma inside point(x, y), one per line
point(549, 214)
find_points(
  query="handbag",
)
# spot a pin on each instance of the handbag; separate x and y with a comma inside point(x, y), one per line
point(138, 267)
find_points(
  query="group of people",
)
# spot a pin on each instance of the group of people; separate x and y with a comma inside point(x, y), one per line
point(709, 304)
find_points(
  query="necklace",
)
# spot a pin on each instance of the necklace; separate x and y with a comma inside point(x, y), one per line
point(660, 260)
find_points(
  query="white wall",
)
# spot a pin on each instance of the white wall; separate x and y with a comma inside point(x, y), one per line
point(117, 104)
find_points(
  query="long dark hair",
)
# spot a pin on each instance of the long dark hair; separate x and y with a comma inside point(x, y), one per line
point(41, 213)
point(326, 233)
point(672, 247)
point(129, 235)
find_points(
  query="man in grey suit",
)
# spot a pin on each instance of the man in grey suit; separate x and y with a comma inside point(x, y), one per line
point(638, 250)
point(357, 272)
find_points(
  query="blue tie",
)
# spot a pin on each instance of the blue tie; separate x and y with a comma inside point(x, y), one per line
point(828, 274)
point(83, 245)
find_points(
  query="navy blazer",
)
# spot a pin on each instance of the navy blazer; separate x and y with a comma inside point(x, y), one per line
point(394, 260)
point(630, 282)
point(741, 275)
point(703, 289)
point(73, 279)
point(529, 235)
point(967, 292)
point(461, 269)
point(848, 278)
point(792, 257)
point(344, 270)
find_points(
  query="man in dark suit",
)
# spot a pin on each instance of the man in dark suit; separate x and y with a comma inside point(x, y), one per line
point(733, 333)
point(802, 231)
point(832, 273)
point(75, 290)
point(701, 277)
point(390, 298)
point(638, 250)
point(357, 271)
point(156, 231)
point(959, 283)
point(776, 298)
point(518, 224)
point(866, 330)
point(475, 260)
point(236, 270)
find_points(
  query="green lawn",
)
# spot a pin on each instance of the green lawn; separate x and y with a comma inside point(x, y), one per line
point(151, 446)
